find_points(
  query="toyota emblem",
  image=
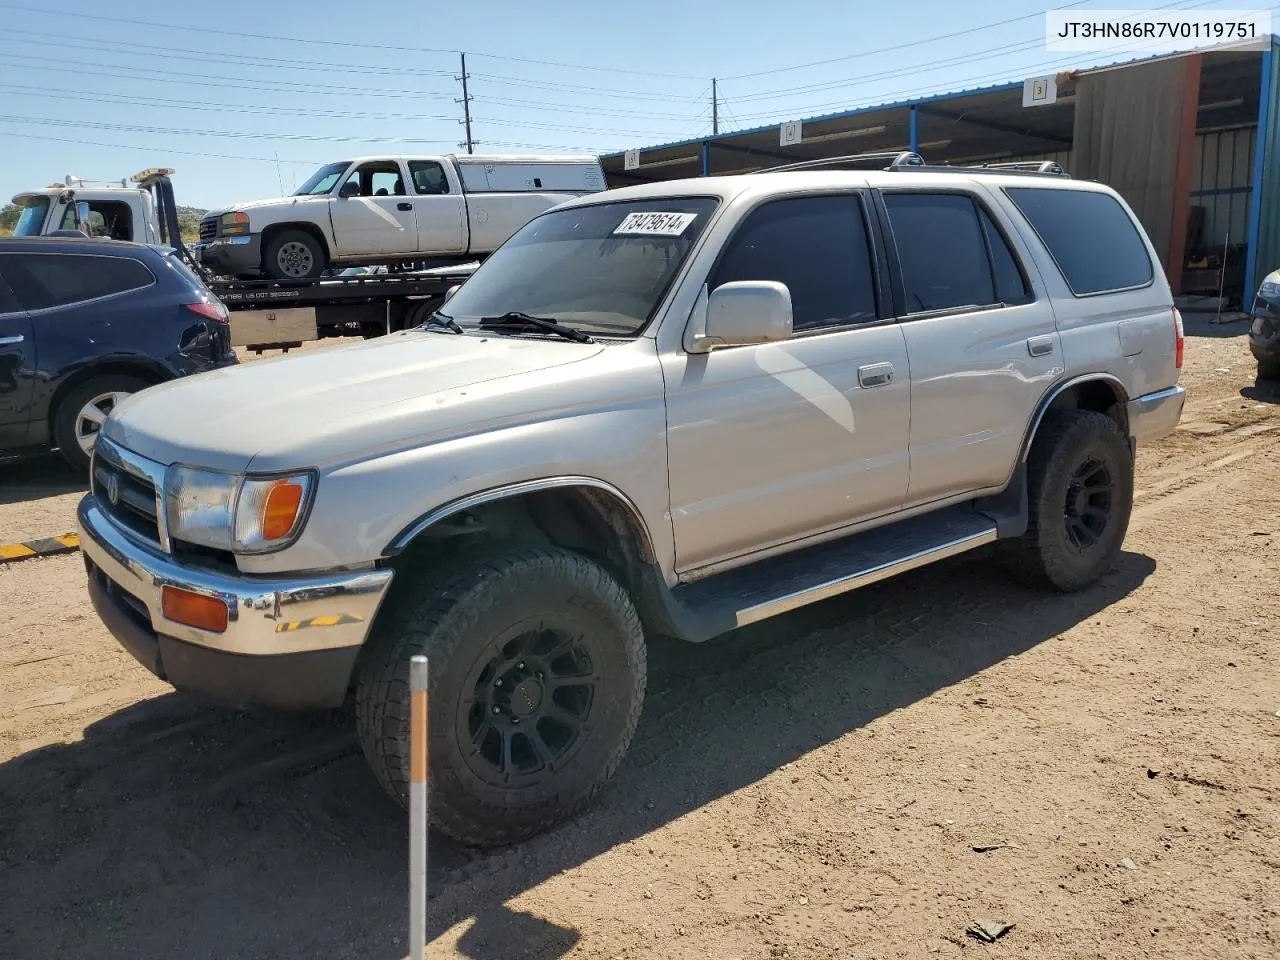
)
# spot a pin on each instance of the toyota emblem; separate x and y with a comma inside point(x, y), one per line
point(113, 489)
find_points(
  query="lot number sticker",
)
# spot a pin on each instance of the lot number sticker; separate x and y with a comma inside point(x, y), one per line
point(655, 224)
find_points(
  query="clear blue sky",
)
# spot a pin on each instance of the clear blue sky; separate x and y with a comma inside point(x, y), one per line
point(103, 90)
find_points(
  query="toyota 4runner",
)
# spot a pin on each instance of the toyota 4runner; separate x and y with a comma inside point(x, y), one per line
point(672, 409)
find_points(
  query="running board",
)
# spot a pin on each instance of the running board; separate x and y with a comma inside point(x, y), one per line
point(746, 595)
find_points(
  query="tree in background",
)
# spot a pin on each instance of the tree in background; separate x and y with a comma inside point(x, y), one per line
point(9, 218)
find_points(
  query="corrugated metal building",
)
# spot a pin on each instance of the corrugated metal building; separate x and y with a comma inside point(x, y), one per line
point(1176, 135)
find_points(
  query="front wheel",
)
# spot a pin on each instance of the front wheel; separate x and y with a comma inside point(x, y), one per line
point(537, 665)
point(1080, 493)
point(81, 413)
point(293, 255)
point(1269, 369)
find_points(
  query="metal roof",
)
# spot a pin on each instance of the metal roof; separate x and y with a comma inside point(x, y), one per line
point(958, 126)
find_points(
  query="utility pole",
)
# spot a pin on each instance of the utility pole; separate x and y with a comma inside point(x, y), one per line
point(715, 108)
point(466, 105)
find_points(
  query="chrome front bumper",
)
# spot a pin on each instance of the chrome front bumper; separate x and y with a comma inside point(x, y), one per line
point(289, 642)
point(1154, 415)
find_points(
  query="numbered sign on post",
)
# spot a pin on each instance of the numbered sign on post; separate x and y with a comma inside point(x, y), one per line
point(631, 160)
point(790, 133)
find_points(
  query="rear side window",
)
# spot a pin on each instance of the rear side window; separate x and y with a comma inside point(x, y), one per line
point(942, 251)
point(428, 177)
point(43, 280)
point(1011, 285)
point(818, 247)
point(1092, 239)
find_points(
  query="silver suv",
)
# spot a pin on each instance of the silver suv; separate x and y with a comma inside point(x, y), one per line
point(671, 409)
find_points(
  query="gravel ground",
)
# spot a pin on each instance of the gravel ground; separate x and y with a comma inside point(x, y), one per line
point(863, 778)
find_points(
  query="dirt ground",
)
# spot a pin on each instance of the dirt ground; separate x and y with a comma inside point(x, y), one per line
point(863, 778)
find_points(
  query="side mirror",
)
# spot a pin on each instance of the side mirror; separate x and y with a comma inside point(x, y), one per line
point(82, 211)
point(349, 189)
point(746, 311)
point(451, 291)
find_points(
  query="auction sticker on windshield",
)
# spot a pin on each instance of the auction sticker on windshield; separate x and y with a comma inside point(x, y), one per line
point(655, 224)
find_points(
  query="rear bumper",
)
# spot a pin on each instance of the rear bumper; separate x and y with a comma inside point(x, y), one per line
point(1154, 415)
point(273, 653)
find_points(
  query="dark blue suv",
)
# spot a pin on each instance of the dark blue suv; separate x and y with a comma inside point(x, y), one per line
point(84, 323)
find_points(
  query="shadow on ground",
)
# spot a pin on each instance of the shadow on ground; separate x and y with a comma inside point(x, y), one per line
point(1203, 325)
point(38, 475)
point(177, 830)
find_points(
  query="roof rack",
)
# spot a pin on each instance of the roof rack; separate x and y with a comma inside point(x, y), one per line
point(1026, 168)
point(1030, 166)
point(855, 161)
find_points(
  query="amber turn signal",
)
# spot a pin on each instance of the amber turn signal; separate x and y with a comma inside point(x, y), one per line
point(280, 509)
point(194, 609)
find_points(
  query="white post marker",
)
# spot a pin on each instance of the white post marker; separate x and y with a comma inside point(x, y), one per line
point(418, 807)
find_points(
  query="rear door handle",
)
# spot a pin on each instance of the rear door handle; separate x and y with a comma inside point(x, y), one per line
point(1040, 346)
point(7, 341)
point(875, 374)
point(404, 206)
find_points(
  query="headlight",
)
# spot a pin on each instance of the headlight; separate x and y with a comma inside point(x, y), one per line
point(236, 513)
point(234, 224)
point(1270, 289)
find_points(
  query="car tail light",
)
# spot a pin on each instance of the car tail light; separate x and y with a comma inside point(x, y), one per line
point(1178, 338)
point(210, 309)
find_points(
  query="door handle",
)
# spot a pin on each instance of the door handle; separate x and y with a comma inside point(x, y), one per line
point(1040, 346)
point(403, 205)
point(875, 374)
point(6, 341)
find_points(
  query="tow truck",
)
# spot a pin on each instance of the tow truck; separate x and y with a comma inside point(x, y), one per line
point(265, 314)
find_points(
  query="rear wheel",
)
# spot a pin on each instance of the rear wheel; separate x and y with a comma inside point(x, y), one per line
point(1080, 493)
point(81, 413)
point(537, 665)
point(293, 255)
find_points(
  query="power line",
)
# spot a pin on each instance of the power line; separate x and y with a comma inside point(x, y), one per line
point(233, 134)
point(277, 38)
point(899, 46)
point(915, 91)
point(894, 73)
point(161, 150)
point(62, 94)
point(60, 41)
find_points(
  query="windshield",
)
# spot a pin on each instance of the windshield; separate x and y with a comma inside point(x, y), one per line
point(322, 180)
point(600, 269)
point(31, 221)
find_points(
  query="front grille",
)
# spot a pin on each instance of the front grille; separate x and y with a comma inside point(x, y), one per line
point(133, 506)
point(208, 229)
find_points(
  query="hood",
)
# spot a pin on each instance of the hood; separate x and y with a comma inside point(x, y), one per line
point(327, 406)
point(249, 205)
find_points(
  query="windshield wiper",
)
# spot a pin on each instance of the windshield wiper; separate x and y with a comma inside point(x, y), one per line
point(515, 320)
point(439, 319)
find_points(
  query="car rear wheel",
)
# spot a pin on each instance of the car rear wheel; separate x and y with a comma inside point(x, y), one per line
point(537, 664)
point(1080, 493)
point(293, 255)
point(80, 415)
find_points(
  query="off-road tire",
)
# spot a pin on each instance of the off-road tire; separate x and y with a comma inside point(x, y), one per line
point(462, 622)
point(271, 253)
point(1269, 369)
point(1066, 444)
point(68, 412)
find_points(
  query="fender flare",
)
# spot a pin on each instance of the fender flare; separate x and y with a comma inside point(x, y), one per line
point(406, 536)
point(1058, 390)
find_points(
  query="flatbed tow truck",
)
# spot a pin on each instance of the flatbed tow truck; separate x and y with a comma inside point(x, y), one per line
point(265, 314)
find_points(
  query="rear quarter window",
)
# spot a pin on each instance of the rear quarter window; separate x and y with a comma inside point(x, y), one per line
point(44, 280)
point(1096, 245)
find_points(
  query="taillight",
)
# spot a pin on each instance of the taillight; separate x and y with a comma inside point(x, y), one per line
point(216, 311)
point(1177, 338)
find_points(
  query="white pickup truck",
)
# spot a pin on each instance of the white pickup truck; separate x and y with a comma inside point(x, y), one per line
point(391, 209)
